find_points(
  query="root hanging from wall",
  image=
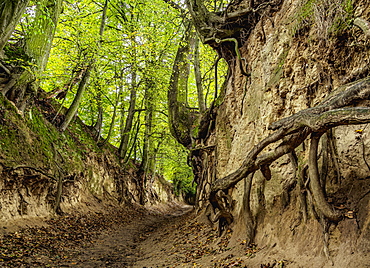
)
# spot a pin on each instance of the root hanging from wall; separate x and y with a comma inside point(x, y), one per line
point(246, 213)
point(317, 189)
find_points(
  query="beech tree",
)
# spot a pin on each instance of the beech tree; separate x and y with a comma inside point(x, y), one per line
point(85, 79)
point(23, 84)
point(10, 14)
point(226, 30)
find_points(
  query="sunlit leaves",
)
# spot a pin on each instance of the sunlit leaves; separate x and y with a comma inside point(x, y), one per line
point(141, 36)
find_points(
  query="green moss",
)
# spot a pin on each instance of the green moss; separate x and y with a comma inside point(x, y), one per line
point(16, 55)
point(278, 71)
point(15, 139)
point(31, 140)
point(195, 131)
point(343, 20)
point(338, 16)
point(307, 10)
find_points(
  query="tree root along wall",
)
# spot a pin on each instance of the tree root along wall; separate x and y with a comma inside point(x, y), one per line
point(313, 77)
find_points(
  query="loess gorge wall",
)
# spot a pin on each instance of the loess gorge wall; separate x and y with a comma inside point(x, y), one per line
point(43, 171)
point(295, 61)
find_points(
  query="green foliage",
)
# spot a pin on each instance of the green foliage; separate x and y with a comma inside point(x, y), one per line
point(328, 18)
point(138, 37)
point(183, 181)
point(175, 169)
point(16, 56)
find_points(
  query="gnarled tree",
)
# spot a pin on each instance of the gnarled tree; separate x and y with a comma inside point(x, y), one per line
point(228, 31)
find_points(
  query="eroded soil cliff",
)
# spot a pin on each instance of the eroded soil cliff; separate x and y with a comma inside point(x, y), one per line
point(45, 172)
point(298, 53)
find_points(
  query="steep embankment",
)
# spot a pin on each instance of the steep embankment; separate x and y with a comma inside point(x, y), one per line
point(298, 54)
point(44, 170)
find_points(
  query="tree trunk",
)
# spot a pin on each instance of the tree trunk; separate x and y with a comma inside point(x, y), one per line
point(99, 123)
point(37, 47)
point(11, 12)
point(180, 117)
point(38, 42)
point(72, 111)
point(198, 77)
point(126, 131)
point(111, 126)
point(147, 146)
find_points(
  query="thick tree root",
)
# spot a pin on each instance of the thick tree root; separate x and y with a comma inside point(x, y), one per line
point(246, 210)
point(364, 25)
point(293, 131)
point(334, 155)
point(303, 192)
point(325, 232)
point(317, 190)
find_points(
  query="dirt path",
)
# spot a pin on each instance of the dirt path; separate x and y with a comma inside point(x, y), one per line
point(135, 237)
point(123, 247)
point(113, 238)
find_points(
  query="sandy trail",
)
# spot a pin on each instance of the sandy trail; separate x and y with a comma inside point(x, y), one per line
point(125, 246)
point(168, 236)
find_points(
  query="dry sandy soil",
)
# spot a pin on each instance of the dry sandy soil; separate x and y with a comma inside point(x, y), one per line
point(166, 236)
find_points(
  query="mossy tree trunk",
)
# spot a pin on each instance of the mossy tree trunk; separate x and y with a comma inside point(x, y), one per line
point(11, 12)
point(23, 86)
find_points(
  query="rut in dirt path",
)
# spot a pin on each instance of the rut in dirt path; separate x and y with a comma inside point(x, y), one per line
point(121, 247)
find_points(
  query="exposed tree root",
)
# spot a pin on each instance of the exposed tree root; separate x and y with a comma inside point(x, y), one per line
point(364, 149)
point(325, 232)
point(246, 210)
point(334, 154)
point(292, 131)
point(317, 190)
point(303, 192)
point(364, 25)
point(289, 184)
